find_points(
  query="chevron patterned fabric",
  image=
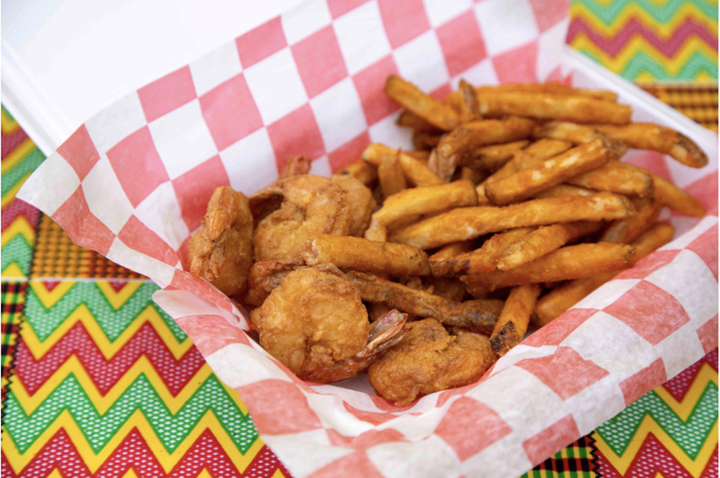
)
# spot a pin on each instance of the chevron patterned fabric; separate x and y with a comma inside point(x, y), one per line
point(99, 382)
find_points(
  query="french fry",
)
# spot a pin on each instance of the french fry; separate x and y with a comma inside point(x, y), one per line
point(571, 262)
point(390, 174)
point(543, 241)
point(425, 200)
point(415, 171)
point(475, 176)
point(480, 315)
point(553, 88)
point(450, 288)
point(484, 259)
point(493, 157)
point(557, 301)
point(442, 166)
point(376, 232)
point(421, 156)
point(514, 319)
point(571, 132)
point(626, 230)
point(470, 222)
point(551, 106)
point(347, 252)
point(411, 120)
point(423, 140)
point(362, 171)
point(527, 183)
point(448, 251)
point(616, 179)
point(562, 190)
point(657, 138)
point(421, 104)
point(671, 195)
point(483, 132)
point(469, 108)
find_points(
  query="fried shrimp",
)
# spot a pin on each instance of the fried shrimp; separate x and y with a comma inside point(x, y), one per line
point(360, 200)
point(316, 324)
point(221, 250)
point(428, 359)
point(292, 211)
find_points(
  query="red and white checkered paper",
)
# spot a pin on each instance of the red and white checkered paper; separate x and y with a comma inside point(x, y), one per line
point(133, 183)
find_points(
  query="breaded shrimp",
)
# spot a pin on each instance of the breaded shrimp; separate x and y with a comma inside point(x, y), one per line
point(360, 200)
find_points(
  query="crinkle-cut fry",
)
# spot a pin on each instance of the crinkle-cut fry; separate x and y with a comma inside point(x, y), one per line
point(671, 195)
point(527, 183)
point(425, 200)
point(423, 140)
point(626, 230)
point(551, 106)
point(560, 299)
point(295, 166)
point(493, 157)
point(391, 176)
point(362, 171)
point(481, 260)
point(480, 315)
point(470, 222)
point(484, 132)
point(553, 88)
point(543, 241)
point(376, 232)
point(356, 253)
point(617, 180)
point(421, 104)
point(562, 190)
point(411, 120)
point(571, 262)
point(562, 130)
point(469, 107)
point(515, 317)
point(654, 137)
point(475, 176)
point(415, 171)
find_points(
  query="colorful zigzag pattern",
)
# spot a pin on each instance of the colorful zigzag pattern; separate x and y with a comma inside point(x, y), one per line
point(646, 40)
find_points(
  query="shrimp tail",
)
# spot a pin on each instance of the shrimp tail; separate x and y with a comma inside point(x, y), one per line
point(385, 332)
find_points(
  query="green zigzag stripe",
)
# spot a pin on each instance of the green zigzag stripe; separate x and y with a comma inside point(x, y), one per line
point(19, 251)
point(28, 164)
point(641, 62)
point(608, 13)
point(112, 322)
point(689, 436)
point(140, 395)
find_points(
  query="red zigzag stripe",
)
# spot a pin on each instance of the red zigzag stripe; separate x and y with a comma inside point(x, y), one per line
point(679, 386)
point(106, 373)
point(654, 458)
point(206, 453)
point(19, 208)
point(11, 141)
point(667, 46)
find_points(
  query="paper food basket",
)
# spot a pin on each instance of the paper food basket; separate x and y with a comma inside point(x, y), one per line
point(133, 182)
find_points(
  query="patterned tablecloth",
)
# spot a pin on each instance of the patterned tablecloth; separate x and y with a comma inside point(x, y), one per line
point(98, 381)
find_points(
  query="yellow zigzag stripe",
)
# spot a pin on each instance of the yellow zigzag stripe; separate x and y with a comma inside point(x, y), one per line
point(49, 298)
point(9, 126)
point(109, 349)
point(136, 420)
point(17, 155)
point(14, 272)
point(683, 409)
point(10, 195)
point(118, 298)
point(637, 44)
point(687, 10)
point(18, 226)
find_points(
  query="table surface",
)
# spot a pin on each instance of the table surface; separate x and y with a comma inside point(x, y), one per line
point(98, 381)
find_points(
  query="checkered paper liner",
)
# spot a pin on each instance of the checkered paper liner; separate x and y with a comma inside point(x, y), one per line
point(133, 183)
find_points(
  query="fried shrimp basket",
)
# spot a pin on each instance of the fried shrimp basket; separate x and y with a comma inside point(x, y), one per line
point(133, 182)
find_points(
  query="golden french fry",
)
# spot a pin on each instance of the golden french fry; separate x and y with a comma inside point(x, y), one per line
point(625, 230)
point(421, 156)
point(514, 319)
point(617, 180)
point(473, 175)
point(442, 166)
point(425, 200)
point(555, 303)
point(423, 140)
point(411, 120)
point(476, 314)
point(470, 222)
point(449, 251)
point(469, 108)
point(553, 88)
point(376, 232)
point(347, 252)
point(390, 174)
point(483, 132)
point(493, 157)
point(551, 106)
point(543, 241)
point(671, 195)
point(527, 183)
point(571, 132)
point(571, 262)
point(415, 171)
point(362, 171)
point(421, 104)
point(562, 190)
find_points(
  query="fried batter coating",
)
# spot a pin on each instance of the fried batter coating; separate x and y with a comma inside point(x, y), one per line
point(317, 326)
point(428, 359)
point(221, 250)
point(310, 205)
point(360, 200)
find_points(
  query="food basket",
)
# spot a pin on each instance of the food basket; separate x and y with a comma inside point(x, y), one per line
point(133, 182)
